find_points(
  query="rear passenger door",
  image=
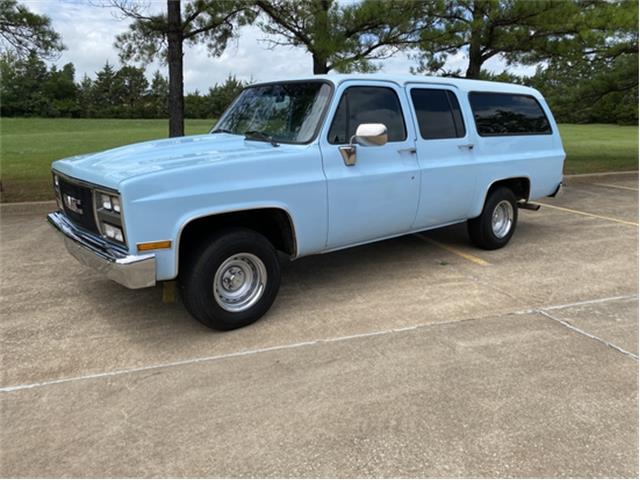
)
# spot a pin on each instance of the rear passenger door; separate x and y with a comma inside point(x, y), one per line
point(445, 147)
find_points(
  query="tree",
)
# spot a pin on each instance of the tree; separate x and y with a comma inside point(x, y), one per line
point(525, 31)
point(163, 36)
point(602, 91)
point(130, 89)
point(61, 91)
point(22, 31)
point(221, 96)
point(339, 36)
point(596, 79)
point(103, 91)
point(159, 96)
point(85, 97)
point(9, 86)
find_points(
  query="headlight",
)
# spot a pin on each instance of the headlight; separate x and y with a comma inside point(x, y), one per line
point(108, 210)
point(110, 203)
point(113, 232)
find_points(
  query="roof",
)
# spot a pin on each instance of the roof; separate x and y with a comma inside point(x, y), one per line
point(464, 84)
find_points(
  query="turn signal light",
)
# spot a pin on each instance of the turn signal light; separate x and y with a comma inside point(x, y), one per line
point(142, 247)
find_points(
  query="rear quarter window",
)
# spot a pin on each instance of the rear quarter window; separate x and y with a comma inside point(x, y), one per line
point(438, 113)
point(503, 114)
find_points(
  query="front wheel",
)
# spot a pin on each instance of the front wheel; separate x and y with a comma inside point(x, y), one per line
point(231, 280)
point(495, 226)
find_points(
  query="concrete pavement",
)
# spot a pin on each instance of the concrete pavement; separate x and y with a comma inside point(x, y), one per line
point(419, 356)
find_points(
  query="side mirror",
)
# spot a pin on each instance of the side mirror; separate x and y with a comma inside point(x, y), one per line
point(371, 134)
point(367, 134)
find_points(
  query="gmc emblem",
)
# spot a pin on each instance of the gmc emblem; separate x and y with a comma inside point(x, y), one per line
point(73, 204)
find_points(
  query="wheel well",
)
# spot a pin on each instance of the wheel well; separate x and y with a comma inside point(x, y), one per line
point(521, 187)
point(274, 223)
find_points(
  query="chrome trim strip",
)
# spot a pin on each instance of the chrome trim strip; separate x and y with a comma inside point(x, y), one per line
point(132, 271)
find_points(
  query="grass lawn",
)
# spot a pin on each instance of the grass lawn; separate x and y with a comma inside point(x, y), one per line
point(599, 148)
point(29, 145)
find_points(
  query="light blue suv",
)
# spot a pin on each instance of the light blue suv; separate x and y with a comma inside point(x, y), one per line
point(307, 166)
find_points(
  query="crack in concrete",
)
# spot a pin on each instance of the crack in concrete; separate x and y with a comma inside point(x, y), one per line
point(587, 334)
point(320, 341)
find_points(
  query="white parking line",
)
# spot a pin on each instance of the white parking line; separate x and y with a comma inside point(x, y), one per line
point(243, 353)
point(622, 187)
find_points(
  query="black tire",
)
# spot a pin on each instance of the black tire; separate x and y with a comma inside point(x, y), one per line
point(480, 228)
point(198, 275)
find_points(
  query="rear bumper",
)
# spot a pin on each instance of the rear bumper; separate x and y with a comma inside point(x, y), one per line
point(132, 271)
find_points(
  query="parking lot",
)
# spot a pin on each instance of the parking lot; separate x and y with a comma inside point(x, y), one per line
point(414, 357)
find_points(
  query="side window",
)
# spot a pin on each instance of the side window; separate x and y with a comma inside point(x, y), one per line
point(367, 105)
point(499, 114)
point(438, 113)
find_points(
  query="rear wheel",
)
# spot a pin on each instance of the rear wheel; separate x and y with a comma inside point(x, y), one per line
point(496, 224)
point(231, 280)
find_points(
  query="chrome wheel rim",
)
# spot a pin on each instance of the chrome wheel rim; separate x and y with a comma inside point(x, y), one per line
point(239, 282)
point(502, 219)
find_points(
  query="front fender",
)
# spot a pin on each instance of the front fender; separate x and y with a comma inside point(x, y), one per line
point(158, 207)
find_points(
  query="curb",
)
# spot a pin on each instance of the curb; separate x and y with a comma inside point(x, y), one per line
point(28, 208)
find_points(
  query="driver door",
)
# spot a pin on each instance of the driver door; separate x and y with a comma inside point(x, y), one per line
point(378, 196)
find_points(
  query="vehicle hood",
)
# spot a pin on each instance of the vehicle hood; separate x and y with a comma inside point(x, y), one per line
point(110, 167)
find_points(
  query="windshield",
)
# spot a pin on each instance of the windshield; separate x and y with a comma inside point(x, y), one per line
point(285, 112)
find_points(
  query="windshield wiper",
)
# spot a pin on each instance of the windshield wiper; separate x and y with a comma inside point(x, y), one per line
point(221, 130)
point(258, 135)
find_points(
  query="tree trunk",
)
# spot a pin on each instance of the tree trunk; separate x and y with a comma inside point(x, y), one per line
point(174, 59)
point(475, 53)
point(323, 39)
point(475, 65)
point(319, 65)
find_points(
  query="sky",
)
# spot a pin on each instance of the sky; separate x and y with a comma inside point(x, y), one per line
point(89, 31)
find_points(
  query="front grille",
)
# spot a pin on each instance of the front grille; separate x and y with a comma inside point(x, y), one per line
point(83, 200)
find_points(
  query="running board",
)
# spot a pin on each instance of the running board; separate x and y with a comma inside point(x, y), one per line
point(529, 206)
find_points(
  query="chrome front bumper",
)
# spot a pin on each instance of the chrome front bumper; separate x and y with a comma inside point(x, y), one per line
point(132, 271)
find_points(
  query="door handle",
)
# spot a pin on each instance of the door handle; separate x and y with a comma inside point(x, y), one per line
point(408, 150)
point(468, 146)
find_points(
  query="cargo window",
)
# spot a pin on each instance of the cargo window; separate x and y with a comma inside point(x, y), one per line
point(367, 105)
point(498, 114)
point(438, 113)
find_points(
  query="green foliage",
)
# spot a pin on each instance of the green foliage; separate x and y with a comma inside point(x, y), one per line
point(30, 89)
point(521, 31)
point(23, 32)
point(158, 97)
point(221, 96)
point(599, 81)
point(210, 22)
point(215, 102)
point(33, 90)
point(602, 90)
point(339, 36)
